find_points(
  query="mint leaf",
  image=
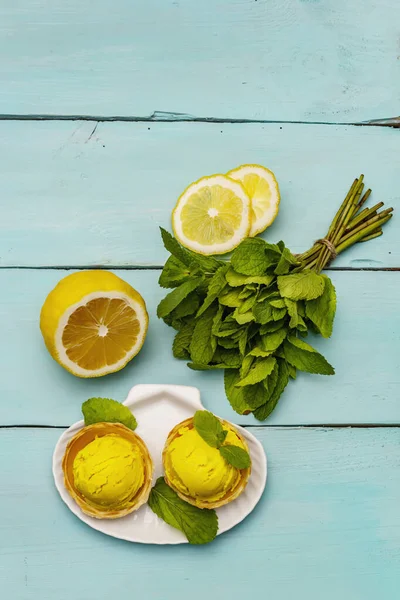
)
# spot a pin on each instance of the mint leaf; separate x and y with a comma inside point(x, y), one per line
point(237, 279)
point(215, 287)
point(279, 303)
point(209, 367)
point(187, 307)
point(246, 291)
point(209, 428)
point(271, 326)
point(266, 409)
point(234, 394)
point(204, 343)
point(321, 311)
point(236, 456)
point(286, 261)
point(291, 306)
point(207, 264)
point(243, 341)
point(175, 297)
point(231, 298)
point(229, 357)
point(247, 304)
point(302, 327)
point(105, 410)
point(305, 358)
point(271, 381)
point(278, 313)
point(246, 366)
point(181, 343)
point(175, 248)
point(243, 318)
point(272, 341)
point(250, 257)
point(259, 371)
point(305, 285)
point(262, 312)
point(228, 343)
point(199, 525)
point(258, 352)
point(254, 395)
point(174, 273)
point(217, 320)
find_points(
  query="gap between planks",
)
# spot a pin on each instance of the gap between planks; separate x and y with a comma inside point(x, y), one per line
point(252, 426)
point(153, 268)
point(168, 117)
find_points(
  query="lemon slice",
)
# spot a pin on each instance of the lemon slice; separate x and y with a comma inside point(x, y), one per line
point(262, 188)
point(212, 216)
point(93, 323)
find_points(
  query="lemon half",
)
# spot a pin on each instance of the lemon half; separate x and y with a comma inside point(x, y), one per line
point(212, 216)
point(93, 323)
point(262, 188)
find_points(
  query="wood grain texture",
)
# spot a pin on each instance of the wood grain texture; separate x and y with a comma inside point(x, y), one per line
point(266, 59)
point(77, 193)
point(328, 520)
point(364, 351)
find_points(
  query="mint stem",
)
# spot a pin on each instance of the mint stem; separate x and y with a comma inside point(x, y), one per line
point(349, 226)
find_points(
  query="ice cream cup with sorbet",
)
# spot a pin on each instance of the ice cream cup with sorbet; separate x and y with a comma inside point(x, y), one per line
point(107, 470)
point(198, 472)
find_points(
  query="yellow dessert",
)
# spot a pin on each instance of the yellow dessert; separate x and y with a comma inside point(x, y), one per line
point(198, 472)
point(107, 470)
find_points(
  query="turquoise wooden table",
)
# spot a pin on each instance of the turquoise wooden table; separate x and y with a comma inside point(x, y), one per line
point(108, 110)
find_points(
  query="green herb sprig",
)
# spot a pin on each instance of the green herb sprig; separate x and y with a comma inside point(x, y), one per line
point(99, 410)
point(248, 316)
point(200, 525)
point(210, 429)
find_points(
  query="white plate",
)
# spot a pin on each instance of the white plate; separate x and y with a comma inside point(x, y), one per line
point(158, 408)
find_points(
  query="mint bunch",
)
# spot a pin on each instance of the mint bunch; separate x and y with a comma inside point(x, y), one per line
point(250, 316)
point(245, 317)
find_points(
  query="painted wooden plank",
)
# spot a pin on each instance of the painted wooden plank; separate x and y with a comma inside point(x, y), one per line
point(267, 59)
point(328, 520)
point(86, 194)
point(364, 350)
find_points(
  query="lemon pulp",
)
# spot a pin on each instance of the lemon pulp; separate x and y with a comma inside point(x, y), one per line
point(212, 216)
point(100, 333)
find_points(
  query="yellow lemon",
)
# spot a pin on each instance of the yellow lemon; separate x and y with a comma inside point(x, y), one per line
point(93, 323)
point(212, 216)
point(262, 188)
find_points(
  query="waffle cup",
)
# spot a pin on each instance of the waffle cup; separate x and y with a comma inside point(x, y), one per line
point(81, 440)
point(231, 494)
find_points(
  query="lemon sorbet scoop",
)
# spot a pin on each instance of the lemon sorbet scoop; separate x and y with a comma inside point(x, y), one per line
point(197, 470)
point(109, 471)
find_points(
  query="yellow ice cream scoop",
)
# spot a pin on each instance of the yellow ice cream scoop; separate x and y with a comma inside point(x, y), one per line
point(198, 472)
point(107, 470)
